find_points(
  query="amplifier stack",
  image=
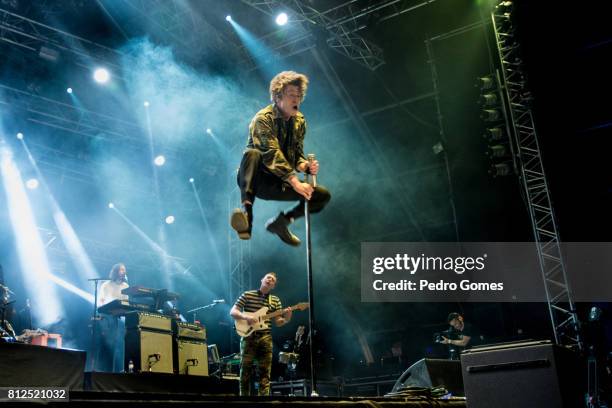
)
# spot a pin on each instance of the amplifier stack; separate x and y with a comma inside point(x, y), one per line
point(156, 343)
point(190, 350)
point(148, 342)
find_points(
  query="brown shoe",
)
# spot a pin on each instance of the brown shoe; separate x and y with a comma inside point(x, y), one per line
point(240, 223)
point(279, 226)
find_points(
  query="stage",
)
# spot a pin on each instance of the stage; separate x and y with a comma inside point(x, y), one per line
point(385, 193)
point(143, 399)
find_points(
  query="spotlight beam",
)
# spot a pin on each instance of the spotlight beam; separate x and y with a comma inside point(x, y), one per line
point(166, 258)
point(31, 251)
point(72, 242)
point(211, 241)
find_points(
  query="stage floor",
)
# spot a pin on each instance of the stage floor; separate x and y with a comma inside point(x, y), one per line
point(120, 399)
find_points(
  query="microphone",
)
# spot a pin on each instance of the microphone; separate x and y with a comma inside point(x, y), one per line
point(155, 356)
point(219, 301)
point(311, 158)
point(194, 362)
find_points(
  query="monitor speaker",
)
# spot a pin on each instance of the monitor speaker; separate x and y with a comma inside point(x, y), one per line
point(531, 374)
point(430, 372)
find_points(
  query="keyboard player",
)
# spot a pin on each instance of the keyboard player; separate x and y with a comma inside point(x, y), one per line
point(112, 344)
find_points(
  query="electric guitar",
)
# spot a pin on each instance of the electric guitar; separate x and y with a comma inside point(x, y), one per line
point(245, 329)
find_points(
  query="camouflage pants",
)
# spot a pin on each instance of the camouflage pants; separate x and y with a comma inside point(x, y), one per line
point(255, 347)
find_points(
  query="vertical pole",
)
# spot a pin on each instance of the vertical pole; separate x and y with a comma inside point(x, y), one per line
point(94, 328)
point(311, 317)
point(434, 78)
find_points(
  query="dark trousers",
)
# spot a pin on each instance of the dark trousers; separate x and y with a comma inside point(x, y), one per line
point(254, 181)
point(256, 347)
point(112, 347)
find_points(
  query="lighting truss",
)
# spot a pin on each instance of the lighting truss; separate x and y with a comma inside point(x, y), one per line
point(341, 38)
point(31, 35)
point(533, 178)
point(104, 253)
point(343, 22)
point(70, 118)
point(239, 259)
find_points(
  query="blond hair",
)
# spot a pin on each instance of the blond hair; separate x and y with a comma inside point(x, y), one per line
point(271, 273)
point(285, 78)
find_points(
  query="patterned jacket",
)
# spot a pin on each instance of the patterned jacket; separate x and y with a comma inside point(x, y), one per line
point(282, 150)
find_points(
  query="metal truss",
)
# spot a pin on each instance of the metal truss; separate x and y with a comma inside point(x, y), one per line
point(529, 159)
point(72, 119)
point(294, 41)
point(48, 41)
point(239, 256)
point(342, 38)
point(343, 23)
point(174, 18)
point(178, 22)
point(107, 254)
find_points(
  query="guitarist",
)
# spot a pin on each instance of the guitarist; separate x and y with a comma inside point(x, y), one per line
point(258, 346)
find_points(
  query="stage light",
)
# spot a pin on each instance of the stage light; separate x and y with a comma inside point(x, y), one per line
point(505, 7)
point(111, 205)
point(69, 90)
point(282, 19)
point(494, 134)
point(20, 136)
point(146, 104)
point(500, 169)
point(498, 151)
point(32, 184)
point(438, 148)
point(485, 83)
point(595, 314)
point(228, 18)
point(488, 99)
point(170, 219)
point(191, 180)
point(101, 75)
point(209, 131)
point(159, 160)
point(491, 115)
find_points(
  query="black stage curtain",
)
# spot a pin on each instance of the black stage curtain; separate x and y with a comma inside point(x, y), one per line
point(25, 365)
point(159, 383)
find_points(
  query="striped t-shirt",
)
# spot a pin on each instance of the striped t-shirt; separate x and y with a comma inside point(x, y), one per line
point(253, 300)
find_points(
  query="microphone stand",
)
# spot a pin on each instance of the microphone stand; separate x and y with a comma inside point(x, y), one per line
point(29, 308)
point(4, 324)
point(194, 311)
point(311, 317)
point(94, 324)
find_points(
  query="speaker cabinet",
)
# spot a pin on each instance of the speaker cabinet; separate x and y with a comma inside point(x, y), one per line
point(532, 374)
point(144, 320)
point(190, 357)
point(150, 351)
point(430, 372)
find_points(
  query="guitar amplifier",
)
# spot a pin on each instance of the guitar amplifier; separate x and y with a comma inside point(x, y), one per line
point(190, 357)
point(144, 320)
point(150, 351)
point(185, 330)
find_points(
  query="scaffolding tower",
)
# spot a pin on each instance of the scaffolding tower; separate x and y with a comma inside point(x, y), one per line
point(528, 158)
